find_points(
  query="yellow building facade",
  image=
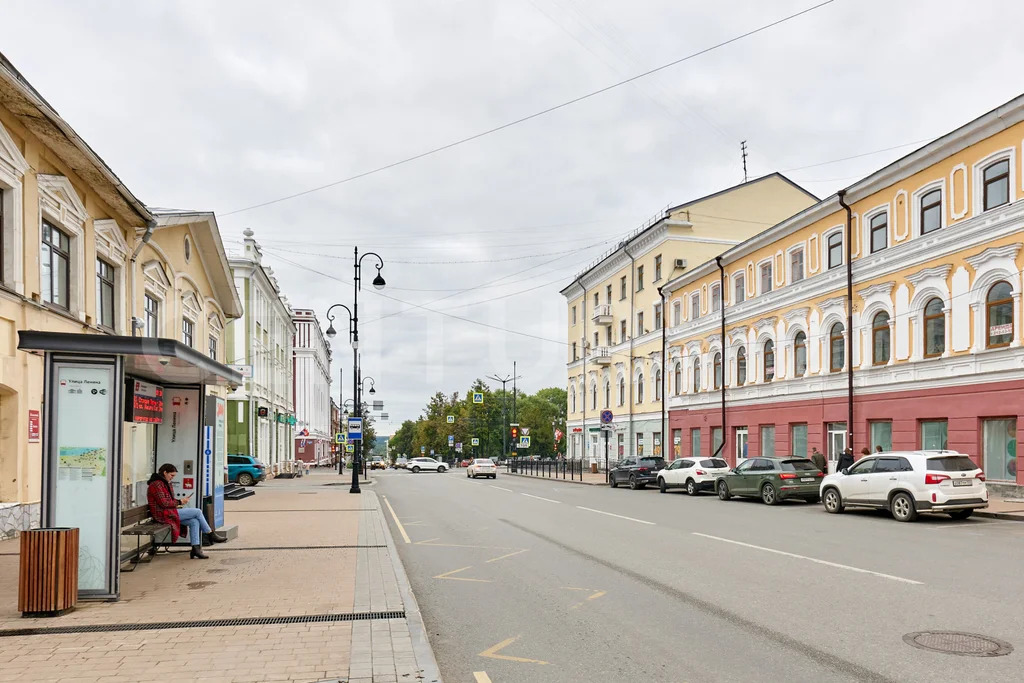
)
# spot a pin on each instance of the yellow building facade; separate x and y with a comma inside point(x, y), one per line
point(81, 254)
point(934, 247)
point(616, 312)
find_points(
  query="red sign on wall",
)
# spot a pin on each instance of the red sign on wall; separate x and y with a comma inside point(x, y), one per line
point(33, 426)
point(188, 483)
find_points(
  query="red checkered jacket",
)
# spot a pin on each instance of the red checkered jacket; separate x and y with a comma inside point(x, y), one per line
point(163, 507)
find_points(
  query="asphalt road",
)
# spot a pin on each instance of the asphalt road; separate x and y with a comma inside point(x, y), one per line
point(537, 580)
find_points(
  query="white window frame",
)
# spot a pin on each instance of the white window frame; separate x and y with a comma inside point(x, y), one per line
point(770, 262)
point(695, 299)
point(977, 171)
point(716, 286)
point(916, 198)
point(655, 314)
point(802, 248)
point(742, 275)
point(866, 230)
point(824, 247)
point(13, 168)
point(159, 313)
point(677, 312)
point(60, 206)
point(111, 247)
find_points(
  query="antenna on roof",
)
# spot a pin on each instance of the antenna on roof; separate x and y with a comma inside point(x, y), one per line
point(743, 151)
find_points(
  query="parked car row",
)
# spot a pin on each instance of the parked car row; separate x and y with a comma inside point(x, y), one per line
point(905, 483)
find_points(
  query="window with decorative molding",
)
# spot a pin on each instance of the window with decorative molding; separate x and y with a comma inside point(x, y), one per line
point(657, 384)
point(878, 229)
point(739, 288)
point(677, 311)
point(640, 388)
point(834, 250)
point(931, 211)
point(677, 380)
point(717, 370)
point(881, 341)
point(800, 354)
point(715, 293)
point(765, 270)
point(934, 328)
point(996, 184)
point(796, 265)
point(188, 329)
point(999, 315)
point(837, 348)
point(55, 266)
point(741, 367)
point(104, 294)
point(696, 374)
point(639, 278)
point(213, 347)
point(694, 306)
point(769, 360)
point(152, 316)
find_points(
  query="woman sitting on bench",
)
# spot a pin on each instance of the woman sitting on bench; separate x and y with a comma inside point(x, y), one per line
point(165, 509)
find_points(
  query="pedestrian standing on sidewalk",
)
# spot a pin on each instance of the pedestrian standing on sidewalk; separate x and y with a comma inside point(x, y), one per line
point(819, 460)
point(165, 509)
point(845, 460)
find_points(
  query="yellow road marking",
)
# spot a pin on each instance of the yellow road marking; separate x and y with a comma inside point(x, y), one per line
point(397, 523)
point(492, 653)
point(595, 594)
point(448, 575)
point(481, 677)
point(517, 552)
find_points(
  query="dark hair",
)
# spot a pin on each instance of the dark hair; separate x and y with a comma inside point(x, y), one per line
point(167, 467)
point(865, 451)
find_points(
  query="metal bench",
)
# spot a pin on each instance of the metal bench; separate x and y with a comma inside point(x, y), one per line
point(138, 522)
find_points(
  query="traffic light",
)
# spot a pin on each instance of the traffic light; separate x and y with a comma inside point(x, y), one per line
point(514, 432)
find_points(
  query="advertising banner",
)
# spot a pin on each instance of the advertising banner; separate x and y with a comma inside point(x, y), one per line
point(220, 459)
point(84, 450)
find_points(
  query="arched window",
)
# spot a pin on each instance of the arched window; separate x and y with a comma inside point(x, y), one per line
point(718, 370)
point(769, 361)
point(678, 379)
point(657, 384)
point(934, 329)
point(999, 315)
point(607, 394)
point(640, 388)
point(593, 395)
point(572, 399)
point(837, 348)
point(696, 374)
point(622, 391)
point(880, 339)
point(800, 354)
point(741, 367)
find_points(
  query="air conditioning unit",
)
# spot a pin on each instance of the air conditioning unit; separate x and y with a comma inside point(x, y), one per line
point(680, 263)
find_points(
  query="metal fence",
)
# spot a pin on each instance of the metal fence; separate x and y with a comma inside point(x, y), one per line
point(549, 468)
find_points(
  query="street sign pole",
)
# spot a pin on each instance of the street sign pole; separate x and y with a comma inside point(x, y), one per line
point(606, 455)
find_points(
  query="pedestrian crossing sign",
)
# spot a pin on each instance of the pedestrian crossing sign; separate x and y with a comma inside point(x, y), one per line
point(524, 442)
point(350, 448)
point(339, 438)
point(475, 441)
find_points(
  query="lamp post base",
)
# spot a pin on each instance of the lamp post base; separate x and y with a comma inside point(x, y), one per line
point(355, 489)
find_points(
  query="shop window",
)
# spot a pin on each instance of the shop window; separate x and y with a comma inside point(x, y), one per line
point(639, 445)
point(879, 229)
point(741, 367)
point(716, 441)
point(837, 348)
point(880, 339)
point(55, 266)
point(740, 437)
point(768, 441)
point(934, 328)
point(800, 354)
point(695, 442)
point(834, 249)
point(798, 440)
point(999, 315)
point(769, 361)
point(881, 435)
point(934, 435)
point(931, 211)
point(677, 438)
point(996, 184)
point(999, 447)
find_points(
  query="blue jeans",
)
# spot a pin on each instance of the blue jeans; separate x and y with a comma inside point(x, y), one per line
point(195, 521)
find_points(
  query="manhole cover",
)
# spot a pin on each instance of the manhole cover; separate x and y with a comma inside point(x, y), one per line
point(958, 643)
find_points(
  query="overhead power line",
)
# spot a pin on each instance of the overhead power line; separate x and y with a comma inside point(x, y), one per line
point(535, 115)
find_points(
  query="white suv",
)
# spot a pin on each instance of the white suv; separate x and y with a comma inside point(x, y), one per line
point(417, 464)
point(909, 482)
point(693, 474)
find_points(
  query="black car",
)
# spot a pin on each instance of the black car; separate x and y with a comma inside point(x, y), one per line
point(637, 472)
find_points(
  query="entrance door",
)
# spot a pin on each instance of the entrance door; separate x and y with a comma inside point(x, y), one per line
point(593, 448)
point(836, 443)
point(741, 443)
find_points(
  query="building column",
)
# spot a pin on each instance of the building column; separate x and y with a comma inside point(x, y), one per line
point(978, 323)
point(947, 346)
point(892, 341)
point(1016, 320)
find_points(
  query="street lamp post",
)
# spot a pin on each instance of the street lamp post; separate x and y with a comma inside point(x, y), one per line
point(331, 334)
point(373, 390)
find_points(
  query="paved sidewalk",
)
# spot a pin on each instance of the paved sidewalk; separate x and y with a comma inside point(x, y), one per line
point(300, 551)
point(1000, 508)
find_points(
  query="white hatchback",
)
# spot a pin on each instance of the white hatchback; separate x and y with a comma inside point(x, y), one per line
point(693, 474)
point(907, 483)
point(482, 467)
point(425, 464)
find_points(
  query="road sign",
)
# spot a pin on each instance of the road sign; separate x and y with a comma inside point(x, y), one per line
point(478, 397)
point(525, 431)
point(339, 438)
point(458, 447)
point(355, 428)
point(423, 449)
point(594, 429)
point(524, 442)
point(451, 419)
point(451, 441)
point(350, 448)
point(475, 441)
point(606, 417)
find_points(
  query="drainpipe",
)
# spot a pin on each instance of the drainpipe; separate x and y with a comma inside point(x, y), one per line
point(725, 360)
point(849, 318)
point(150, 226)
point(664, 366)
point(629, 326)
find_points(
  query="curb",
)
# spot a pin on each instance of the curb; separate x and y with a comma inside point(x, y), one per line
point(563, 481)
point(1012, 516)
point(417, 631)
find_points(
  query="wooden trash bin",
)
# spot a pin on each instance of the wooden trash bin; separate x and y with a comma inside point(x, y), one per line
point(48, 576)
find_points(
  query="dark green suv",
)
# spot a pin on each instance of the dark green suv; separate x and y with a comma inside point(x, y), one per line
point(772, 480)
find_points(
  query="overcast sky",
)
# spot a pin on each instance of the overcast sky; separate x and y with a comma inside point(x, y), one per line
point(224, 105)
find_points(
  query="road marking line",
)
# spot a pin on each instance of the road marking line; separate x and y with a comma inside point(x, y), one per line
point(595, 595)
point(501, 488)
point(492, 653)
point(458, 545)
point(811, 559)
point(529, 495)
point(495, 559)
point(397, 523)
point(481, 677)
point(448, 575)
point(612, 514)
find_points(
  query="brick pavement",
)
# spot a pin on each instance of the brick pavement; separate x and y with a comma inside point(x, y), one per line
point(237, 582)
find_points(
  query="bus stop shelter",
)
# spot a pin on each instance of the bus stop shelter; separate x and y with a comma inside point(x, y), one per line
point(94, 385)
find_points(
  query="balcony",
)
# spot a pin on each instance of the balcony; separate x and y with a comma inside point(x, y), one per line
point(602, 314)
point(602, 355)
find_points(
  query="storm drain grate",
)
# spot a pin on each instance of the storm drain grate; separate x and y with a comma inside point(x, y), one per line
point(294, 547)
point(958, 643)
point(206, 623)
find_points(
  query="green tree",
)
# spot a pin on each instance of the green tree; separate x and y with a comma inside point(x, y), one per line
point(401, 442)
